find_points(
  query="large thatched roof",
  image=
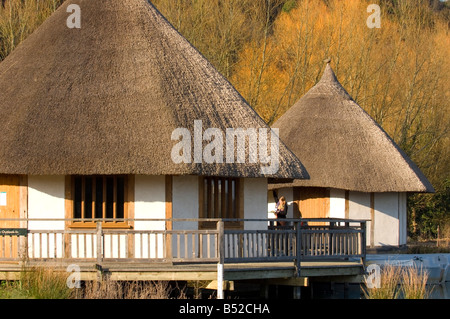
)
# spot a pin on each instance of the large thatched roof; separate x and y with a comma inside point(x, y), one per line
point(342, 147)
point(105, 98)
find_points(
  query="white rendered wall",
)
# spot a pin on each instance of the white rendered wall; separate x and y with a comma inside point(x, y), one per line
point(389, 217)
point(386, 219)
point(46, 200)
point(255, 202)
point(359, 208)
point(337, 203)
point(150, 203)
point(185, 201)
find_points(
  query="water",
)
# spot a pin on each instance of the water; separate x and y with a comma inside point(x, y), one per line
point(439, 291)
point(437, 267)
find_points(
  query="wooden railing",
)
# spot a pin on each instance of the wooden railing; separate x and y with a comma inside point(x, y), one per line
point(296, 241)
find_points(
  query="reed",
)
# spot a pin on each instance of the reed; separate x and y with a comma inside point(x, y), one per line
point(414, 283)
point(400, 283)
point(44, 283)
point(109, 289)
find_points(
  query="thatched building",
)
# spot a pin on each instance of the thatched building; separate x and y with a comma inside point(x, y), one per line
point(88, 120)
point(356, 170)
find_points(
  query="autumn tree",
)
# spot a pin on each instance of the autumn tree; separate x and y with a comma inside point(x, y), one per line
point(398, 73)
point(220, 28)
point(19, 18)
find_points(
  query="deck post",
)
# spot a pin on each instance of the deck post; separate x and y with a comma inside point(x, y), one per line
point(221, 253)
point(298, 247)
point(363, 242)
point(99, 250)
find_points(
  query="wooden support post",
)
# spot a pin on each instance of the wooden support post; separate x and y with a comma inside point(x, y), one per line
point(296, 292)
point(221, 253)
point(99, 250)
point(298, 245)
point(264, 290)
point(363, 242)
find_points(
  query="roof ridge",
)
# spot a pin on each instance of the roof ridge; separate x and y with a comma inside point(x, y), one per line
point(329, 85)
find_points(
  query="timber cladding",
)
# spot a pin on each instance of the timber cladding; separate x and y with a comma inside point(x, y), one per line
point(13, 205)
point(313, 202)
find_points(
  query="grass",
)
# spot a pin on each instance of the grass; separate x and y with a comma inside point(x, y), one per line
point(37, 283)
point(400, 283)
point(109, 289)
point(47, 283)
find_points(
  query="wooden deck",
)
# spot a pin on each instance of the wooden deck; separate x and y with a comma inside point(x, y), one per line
point(290, 254)
point(204, 271)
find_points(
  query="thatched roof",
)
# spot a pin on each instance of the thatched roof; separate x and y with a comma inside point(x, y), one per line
point(105, 98)
point(342, 147)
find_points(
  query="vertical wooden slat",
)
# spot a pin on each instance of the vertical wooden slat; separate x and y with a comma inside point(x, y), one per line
point(118, 245)
point(186, 239)
point(40, 245)
point(111, 251)
point(193, 245)
point(178, 245)
point(200, 245)
point(55, 244)
point(83, 195)
point(298, 245)
point(347, 204)
point(104, 198)
point(3, 247)
point(149, 248)
point(221, 254)
point(92, 246)
point(216, 198)
point(229, 213)
point(10, 247)
point(223, 199)
point(141, 245)
point(169, 216)
point(208, 245)
point(209, 190)
point(48, 245)
point(115, 198)
point(30, 245)
point(94, 194)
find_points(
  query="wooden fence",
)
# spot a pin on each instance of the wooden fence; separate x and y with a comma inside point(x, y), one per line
point(295, 241)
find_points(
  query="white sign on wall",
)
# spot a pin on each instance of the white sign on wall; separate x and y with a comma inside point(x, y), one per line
point(2, 198)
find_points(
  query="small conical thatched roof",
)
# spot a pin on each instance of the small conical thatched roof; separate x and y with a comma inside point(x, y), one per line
point(342, 147)
point(105, 98)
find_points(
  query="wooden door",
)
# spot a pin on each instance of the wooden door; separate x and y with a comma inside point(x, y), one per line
point(314, 202)
point(9, 208)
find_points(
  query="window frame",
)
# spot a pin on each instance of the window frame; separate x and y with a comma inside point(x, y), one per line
point(214, 210)
point(86, 222)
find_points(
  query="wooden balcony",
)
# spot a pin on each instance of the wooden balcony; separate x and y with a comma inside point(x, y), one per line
point(261, 250)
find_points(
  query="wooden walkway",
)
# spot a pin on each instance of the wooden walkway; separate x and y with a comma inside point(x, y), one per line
point(195, 271)
point(291, 254)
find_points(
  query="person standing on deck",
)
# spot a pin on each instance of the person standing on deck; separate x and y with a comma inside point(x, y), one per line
point(281, 208)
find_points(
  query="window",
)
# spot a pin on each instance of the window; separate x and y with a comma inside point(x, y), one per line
point(220, 198)
point(99, 197)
